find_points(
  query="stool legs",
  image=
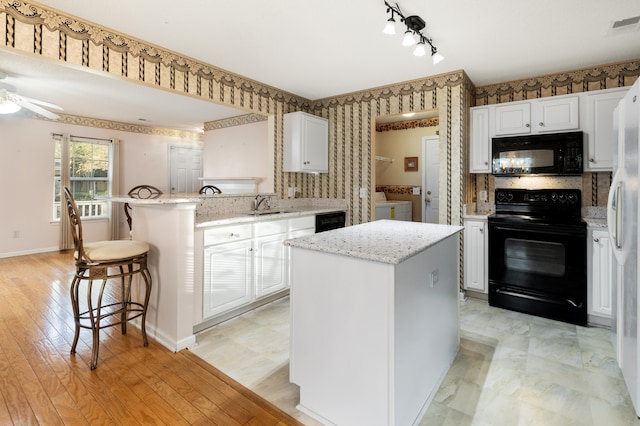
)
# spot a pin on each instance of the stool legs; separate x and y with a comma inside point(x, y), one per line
point(92, 317)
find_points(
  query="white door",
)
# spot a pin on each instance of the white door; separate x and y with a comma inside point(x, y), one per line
point(430, 182)
point(185, 167)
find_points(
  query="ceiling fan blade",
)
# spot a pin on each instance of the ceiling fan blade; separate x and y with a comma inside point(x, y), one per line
point(35, 108)
point(39, 102)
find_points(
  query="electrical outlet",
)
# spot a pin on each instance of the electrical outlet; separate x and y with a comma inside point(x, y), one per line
point(291, 192)
point(363, 192)
point(435, 277)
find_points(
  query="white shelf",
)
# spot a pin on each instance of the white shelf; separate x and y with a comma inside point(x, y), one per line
point(387, 159)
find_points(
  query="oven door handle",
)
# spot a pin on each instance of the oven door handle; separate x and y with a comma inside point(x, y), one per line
point(546, 227)
point(525, 295)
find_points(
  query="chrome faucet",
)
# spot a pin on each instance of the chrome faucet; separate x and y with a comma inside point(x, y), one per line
point(259, 200)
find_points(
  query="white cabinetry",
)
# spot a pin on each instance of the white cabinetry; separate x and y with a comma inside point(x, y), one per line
point(599, 274)
point(476, 255)
point(306, 143)
point(513, 118)
point(270, 260)
point(480, 148)
point(244, 264)
point(228, 268)
point(599, 127)
point(556, 114)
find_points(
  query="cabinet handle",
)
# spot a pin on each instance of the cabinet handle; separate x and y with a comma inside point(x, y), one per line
point(596, 240)
point(482, 230)
point(526, 125)
point(541, 124)
point(486, 163)
point(592, 160)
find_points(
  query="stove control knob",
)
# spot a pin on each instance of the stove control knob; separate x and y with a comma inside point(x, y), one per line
point(501, 196)
point(572, 198)
point(554, 196)
point(562, 197)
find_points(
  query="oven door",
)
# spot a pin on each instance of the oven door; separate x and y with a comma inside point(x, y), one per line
point(539, 269)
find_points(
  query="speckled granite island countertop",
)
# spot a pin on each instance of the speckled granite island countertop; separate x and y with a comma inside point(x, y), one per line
point(385, 241)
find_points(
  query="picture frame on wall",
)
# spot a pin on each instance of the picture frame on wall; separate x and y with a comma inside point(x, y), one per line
point(410, 164)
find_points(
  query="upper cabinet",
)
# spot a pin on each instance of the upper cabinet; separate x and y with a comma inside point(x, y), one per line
point(557, 114)
point(306, 143)
point(599, 128)
point(590, 112)
point(513, 118)
point(480, 149)
point(537, 116)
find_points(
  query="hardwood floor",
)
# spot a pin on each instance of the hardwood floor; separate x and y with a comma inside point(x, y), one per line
point(42, 383)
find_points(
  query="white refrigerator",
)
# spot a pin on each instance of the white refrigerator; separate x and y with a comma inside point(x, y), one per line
point(622, 216)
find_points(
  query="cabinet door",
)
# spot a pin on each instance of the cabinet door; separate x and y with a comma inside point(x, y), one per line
point(480, 143)
point(306, 143)
point(601, 264)
point(315, 148)
point(513, 119)
point(475, 256)
point(554, 115)
point(227, 277)
point(270, 256)
point(599, 129)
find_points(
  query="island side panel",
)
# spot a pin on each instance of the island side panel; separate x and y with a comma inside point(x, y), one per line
point(169, 230)
point(426, 327)
point(341, 342)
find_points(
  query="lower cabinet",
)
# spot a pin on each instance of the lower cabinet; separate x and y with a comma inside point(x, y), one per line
point(476, 265)
point(246, 263)
point(599, 277)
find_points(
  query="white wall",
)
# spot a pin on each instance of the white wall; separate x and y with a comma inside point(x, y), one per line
point(240, 151)
point(26, 176)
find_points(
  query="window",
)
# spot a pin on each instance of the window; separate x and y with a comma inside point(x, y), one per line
point(89, 173)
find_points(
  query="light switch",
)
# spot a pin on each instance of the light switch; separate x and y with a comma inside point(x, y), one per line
point(416, 190)
point(363, 192)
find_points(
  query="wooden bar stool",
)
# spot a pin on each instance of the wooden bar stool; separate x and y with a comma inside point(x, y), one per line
point(112, 263)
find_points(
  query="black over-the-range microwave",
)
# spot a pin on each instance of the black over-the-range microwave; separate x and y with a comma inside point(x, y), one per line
point(545, 154)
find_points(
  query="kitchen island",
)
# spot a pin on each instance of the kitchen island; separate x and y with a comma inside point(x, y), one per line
point(374, 320)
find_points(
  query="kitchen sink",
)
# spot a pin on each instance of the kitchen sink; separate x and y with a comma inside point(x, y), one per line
point(267, 212)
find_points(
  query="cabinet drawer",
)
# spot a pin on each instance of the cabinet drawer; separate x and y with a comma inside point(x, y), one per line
point(270, 227)
point(226, 234)
point(302, 223)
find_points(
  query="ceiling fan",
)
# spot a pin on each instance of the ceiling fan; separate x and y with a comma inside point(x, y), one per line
point(11, 102)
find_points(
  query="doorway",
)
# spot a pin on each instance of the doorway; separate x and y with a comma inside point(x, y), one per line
point(185, 169)
point(400, 140)
point(430, 181)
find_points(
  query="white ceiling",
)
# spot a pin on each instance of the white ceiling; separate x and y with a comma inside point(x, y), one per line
point(322, 48)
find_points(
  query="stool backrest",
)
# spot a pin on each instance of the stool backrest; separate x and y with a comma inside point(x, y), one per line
point(76, 224)
point(210, 189)
point(140, 191)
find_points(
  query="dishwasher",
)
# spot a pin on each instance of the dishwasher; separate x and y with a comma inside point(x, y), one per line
point(329, 221)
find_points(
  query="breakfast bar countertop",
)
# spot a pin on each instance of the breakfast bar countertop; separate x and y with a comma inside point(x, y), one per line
point(385, 241)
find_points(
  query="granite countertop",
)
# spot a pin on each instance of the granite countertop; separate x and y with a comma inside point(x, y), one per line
point(249, 217)
point(385, 241)
point(596, 222)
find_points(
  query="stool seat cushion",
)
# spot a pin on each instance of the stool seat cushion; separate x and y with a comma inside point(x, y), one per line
point(101, 251)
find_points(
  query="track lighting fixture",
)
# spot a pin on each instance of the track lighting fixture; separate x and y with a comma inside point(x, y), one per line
point(415, 25)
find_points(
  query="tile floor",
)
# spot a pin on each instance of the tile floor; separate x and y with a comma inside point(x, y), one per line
point(512, 369)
